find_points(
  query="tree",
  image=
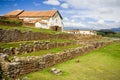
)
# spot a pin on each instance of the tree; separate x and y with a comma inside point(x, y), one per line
point(105, 32)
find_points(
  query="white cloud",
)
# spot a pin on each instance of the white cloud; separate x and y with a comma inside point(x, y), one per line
point(52, 2)
point(100, 24)
point(97, 12)
point(74, 24)
point(101, 21)
point(64, 5)
point(66, 19)
point(54, 8)
point(36, 4)
point(100, 10)
point(72, 20)
point(89, 3)
point(15, 4)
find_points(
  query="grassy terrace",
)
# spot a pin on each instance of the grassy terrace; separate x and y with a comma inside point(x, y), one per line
point(23, 28)
point(101, 64)
point(52, 51)
point(16, 44)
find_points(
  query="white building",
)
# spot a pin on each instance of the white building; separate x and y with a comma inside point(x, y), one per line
point(49, 19)
point(88, 32)
point(84, 32)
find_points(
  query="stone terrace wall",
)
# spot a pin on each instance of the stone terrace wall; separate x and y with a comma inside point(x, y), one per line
point(24, 65)
point(16, 35)
point(36, 46)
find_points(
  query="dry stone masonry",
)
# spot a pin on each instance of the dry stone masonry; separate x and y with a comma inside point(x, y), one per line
point(23, 65)
point(16, 35)
point(36, 46)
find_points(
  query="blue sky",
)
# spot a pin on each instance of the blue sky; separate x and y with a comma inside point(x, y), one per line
point(95, 14)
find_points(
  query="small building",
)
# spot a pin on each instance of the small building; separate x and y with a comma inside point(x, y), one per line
point(84, 32)
point(48, 19)
point(75, 31)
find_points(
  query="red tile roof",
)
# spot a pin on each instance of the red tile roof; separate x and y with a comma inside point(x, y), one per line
point(47, 13)
point(14, 13)
point(44, 14)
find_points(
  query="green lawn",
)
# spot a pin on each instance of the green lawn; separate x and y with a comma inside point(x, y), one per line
point(23, 28)
point(16, 44)
point(101, 64)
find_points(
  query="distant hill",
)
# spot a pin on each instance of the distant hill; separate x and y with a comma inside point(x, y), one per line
point(71, 28)
point(112, 29)
point(115, 29)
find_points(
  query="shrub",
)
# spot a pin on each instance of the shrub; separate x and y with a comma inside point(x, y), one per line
point(108, 33)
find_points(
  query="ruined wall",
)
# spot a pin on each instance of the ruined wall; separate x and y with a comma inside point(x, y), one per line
point(16, 35)
point(24, 65)
point(36, 46)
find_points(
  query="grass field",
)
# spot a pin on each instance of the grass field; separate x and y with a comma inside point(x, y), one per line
point(101, 64)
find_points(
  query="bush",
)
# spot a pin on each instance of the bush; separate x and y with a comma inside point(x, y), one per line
point(108, 33)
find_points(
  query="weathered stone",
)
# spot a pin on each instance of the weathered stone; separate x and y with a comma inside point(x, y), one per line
point(17, 51)
point(25, 78)
point(12, 51)
point(4, 57)
point(6, 51)
point(53, 69)
point(36, 42)
point(56, 71)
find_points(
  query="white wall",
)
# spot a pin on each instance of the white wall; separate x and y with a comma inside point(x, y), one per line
point(39, 25)
point(27, 19)
point(55, 21)
point(82, 32)
point(88, 32)
point(44, 26)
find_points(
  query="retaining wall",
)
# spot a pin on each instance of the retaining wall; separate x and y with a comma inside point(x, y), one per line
point(17, 35)
point(36, 46)
point(24, 65)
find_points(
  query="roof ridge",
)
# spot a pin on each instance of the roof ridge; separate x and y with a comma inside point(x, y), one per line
point(41, 10)
point(45, 13)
